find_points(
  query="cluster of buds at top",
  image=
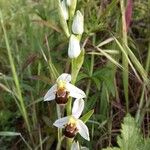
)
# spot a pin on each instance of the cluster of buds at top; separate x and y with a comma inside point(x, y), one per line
point(67, 11)
point(60, 92)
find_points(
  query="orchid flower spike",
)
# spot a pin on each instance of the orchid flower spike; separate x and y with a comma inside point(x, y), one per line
point(74, 47)
point(77, 25)
point(73, 124)
point(76, 146)
point(62, 90)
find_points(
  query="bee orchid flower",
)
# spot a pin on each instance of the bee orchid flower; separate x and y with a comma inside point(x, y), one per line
point(73, 124)
point(61, 91)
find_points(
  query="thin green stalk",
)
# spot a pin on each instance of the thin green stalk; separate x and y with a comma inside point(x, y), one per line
point(34, 113)
point(59, 115)
point(15, 77)
point(59, 143)
point(40, 138)
point(52, 70)
point(140, 114)
point(69, 103)
point(69, 108)
point(91, 70)
point(124, 60)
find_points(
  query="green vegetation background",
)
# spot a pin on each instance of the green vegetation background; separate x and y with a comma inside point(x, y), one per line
point(33, 52)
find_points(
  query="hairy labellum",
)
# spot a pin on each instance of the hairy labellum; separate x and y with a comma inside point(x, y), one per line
point(61, 96)
point(70, 130)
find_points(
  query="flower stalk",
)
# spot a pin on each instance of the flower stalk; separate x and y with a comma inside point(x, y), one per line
point(63, 91)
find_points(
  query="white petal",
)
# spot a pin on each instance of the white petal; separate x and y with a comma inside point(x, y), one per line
point(50, 95)
point(64, 77)
point(61, 122)
point(83, 130)
point(75, 146)
point(74, 91)
point(74, 47)
point(78, 107)
point(77, 25)
point(64, 10)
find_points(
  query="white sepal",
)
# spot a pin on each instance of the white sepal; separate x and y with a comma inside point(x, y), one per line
point(61, 122)
point(74, 47)
point(78, 107)
point(50, 95)
point(74, 91)
point(77, 25)
point(83, 130)
point(64, 77)
point(64, 10)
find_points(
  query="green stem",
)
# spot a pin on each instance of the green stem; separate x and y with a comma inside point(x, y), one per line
point(91, 72)
point(59, 143)
point(124, 59)
point(69, 103)
point(69, 107)
point(140, 114)
point(69, 143)
point(60, 113)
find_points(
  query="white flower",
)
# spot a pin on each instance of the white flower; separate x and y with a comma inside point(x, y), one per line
point(63, 89)
point(77, 25)
point(64, 10)
point(72, 123)
point(74, 47)
point(75, 146)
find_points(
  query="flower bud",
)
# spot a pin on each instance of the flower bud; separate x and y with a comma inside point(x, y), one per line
point(72, 7)
point(63, 16)
point(74, 47)
point(64, 10)
point(77, 25)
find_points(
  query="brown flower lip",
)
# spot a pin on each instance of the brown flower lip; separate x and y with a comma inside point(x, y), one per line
point(70, 130)
point(61, 97)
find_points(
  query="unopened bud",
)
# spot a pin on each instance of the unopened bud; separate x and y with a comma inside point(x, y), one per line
point(64, 9)
point(77, 25)
point(74, 47)
point(62, 16)
point(72, 7)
